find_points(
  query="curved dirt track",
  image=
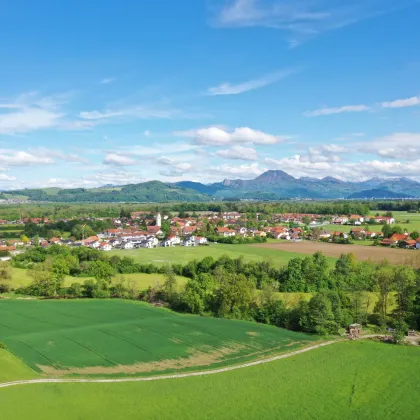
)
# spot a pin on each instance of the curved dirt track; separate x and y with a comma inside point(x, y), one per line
point(361, 252)
point(177, 376)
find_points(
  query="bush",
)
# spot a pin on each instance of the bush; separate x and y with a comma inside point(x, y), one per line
point(4, 288)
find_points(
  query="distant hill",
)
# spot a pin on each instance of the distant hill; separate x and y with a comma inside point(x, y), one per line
point(378, 193)
point(153, 191)
point(271, 185)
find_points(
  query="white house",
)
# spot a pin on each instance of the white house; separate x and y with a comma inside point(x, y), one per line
point(127, 245)
point(188, 242)
point(105, 246)
point(418, 244)
point(167, 242)
point(200, 240)
point(95, 244)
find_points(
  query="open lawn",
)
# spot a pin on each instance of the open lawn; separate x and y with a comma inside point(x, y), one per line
point(182, 255)
point(348, 380)
point(103, 337)
point(374, 253)
point(21, 277)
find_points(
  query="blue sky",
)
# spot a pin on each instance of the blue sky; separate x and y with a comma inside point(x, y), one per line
point(95, 93)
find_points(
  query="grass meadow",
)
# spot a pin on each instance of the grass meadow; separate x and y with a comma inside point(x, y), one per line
point(347, 380)
point(21, 277)
point(102, 337)
point(182, 255)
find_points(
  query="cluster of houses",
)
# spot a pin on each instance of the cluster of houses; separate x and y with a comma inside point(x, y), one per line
point(357, 220)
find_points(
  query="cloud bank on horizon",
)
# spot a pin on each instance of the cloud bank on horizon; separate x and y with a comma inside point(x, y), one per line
point(224, 90)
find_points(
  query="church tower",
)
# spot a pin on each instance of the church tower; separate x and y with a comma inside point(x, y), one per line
point(159, 220)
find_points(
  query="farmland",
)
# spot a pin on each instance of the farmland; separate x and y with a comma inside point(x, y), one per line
point(395, 256)
point(124, 337)
point(182, 255)
point(348, 380)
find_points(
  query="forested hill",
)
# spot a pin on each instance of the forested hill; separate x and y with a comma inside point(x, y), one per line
point(153, 191)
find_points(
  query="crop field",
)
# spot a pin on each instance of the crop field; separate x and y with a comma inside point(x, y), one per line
point(123, 337)
point(395, 256)
point(348, 380)
point(182, 255)
point(21, 277)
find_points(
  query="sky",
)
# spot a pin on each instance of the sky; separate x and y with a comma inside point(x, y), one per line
point(117, 92)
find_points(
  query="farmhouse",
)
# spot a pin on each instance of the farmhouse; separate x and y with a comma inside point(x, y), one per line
point(224, 231)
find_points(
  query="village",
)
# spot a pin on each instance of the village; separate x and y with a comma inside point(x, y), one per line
point(145, 230)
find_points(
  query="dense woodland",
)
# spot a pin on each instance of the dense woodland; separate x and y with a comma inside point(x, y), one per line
point(65, 210)
point(234, 288)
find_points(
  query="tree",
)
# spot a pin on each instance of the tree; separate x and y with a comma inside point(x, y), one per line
point(384, 284)
point(405, 286)
point(414, 235)
point(169, 286)
point(5, 270)
point(306, 220)
point(294, 281)
point(24, 239)
point(387, 230)
point(321, 316)
point(102, 270)
point(235, 295)
point(166, 228)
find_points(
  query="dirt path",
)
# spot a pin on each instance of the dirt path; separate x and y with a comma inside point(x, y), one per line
point(374, 253)
point(176, 376)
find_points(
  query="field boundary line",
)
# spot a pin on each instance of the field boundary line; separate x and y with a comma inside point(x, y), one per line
point(174, 376)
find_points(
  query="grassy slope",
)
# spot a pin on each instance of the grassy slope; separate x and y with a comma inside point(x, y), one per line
point(182, 255)
point(343, 381)
point(112, 332)
point(12, 368)
point(21, 277)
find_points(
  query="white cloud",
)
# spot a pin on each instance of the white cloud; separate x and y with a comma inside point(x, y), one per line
point(339, 110)
point(304, 19)
point(239, 152)
point(402, 103)
point(174, 168)
point(107, 80)
point(404, 146)
point(216, 136)
point(235, 89)
point(30, 112)
point(4, 177)
point(118, 160)
point(134, 112)
point(243, 171)
point(21, 158)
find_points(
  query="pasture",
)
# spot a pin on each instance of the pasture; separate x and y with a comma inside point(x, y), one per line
point(21, 277)
point(182, 255)
point(347, 380)
point(123, 337)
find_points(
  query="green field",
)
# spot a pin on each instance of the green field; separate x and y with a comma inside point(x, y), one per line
point(99, 336)
point(348, 380)
point(182, 255)
point(21, 277)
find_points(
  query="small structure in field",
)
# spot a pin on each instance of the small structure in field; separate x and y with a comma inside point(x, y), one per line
point(353, 331)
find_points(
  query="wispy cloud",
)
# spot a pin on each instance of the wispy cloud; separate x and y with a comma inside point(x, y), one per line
point(235, 89)
point(107, 80)
point(141, 112)
point(303, 19)
point(339, 110)
point(402, 103)
point(30, 112)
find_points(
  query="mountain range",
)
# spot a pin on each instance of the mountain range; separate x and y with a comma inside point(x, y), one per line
point(271, 185)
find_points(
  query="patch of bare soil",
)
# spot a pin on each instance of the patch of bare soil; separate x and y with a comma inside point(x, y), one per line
point(197, 359)
point(374, 253)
